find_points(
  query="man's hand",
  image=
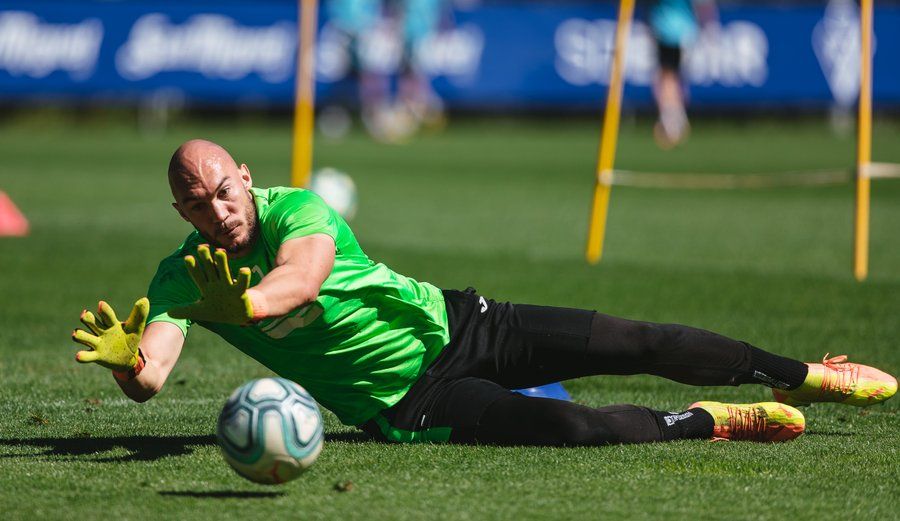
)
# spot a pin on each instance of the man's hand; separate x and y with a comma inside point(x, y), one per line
point(112, 344)
point(221, 298)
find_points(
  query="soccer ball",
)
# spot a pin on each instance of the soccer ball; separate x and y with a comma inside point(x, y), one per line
point(337, 189)
point(270, 430)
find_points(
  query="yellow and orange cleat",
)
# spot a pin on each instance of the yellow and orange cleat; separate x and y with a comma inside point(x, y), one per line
point(764, 421)
point(836, 380)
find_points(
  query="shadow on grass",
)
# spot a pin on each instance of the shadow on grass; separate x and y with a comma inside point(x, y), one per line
point(349, 437)
point(220, 494)
point(828, 433)
point(141, 448)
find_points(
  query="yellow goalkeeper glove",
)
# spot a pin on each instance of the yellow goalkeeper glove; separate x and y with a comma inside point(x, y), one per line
point(112, 344)
point(221, 298)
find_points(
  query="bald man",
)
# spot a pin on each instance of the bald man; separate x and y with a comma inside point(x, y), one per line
point(408, 362)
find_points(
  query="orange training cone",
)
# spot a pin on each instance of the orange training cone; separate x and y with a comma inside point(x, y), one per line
point(12, 222)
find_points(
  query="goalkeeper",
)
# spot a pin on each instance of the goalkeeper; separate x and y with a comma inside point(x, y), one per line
point(279, 275)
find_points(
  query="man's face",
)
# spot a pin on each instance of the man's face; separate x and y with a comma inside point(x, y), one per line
point(218, 202)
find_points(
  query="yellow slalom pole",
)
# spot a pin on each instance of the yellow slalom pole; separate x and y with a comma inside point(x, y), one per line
point(608, 137)
point(863, 146)
point(304, 97)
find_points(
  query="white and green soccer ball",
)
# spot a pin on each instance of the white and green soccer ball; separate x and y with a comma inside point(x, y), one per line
point(270, 430)
point(337, 189)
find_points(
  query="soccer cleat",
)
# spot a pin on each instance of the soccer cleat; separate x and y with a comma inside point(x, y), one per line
point(764, 421)
point(836, 380)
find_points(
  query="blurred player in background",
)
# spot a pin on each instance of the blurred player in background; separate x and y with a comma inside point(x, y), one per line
point(421, 21)
point(674, 25)
point(385, 37)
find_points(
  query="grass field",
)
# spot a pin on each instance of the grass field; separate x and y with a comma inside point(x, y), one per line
point(498, 205)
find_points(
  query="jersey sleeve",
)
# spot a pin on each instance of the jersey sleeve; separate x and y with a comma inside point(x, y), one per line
point(301, 213)
point(171, 287)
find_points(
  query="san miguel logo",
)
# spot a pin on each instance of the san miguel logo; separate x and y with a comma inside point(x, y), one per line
point(213, 45)
point(836, 42)
point(34, 48)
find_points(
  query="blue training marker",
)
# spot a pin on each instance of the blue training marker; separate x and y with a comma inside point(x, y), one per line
point(555, 391)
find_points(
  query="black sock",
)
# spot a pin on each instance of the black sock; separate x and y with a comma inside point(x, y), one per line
point(690, 424)
point(774, 371)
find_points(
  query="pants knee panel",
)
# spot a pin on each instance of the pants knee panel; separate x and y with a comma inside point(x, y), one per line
point(647, 342)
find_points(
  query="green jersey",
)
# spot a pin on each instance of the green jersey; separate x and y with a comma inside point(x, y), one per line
point(370, 334)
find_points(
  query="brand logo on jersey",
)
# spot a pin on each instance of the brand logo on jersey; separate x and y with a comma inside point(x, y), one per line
point(284, 326)
point(258, 271)
point(281, 327)
point(483, 304)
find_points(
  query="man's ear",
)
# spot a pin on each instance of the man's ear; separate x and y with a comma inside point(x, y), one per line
point(181, 213)
point(245, 176)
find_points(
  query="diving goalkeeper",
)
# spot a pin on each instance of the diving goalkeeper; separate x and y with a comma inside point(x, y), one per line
point(278, 274)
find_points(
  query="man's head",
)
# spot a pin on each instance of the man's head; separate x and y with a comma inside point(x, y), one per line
point(213, 193)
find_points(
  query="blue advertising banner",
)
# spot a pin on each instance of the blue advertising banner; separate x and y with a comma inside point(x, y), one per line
point(498, 56)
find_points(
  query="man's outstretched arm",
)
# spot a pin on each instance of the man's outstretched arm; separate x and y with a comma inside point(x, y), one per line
point(301, 266)
point(141, 357)
point(160, 349)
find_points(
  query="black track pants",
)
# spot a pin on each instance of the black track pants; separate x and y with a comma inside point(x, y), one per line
point(465, 395)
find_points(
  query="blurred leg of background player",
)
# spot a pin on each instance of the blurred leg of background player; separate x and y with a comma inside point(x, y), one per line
point(375, 53)
point(421, 21)
point(672, 126)
point(387, 37)
point(674, 24)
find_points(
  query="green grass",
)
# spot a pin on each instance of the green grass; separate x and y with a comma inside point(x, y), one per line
point(501, 206)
